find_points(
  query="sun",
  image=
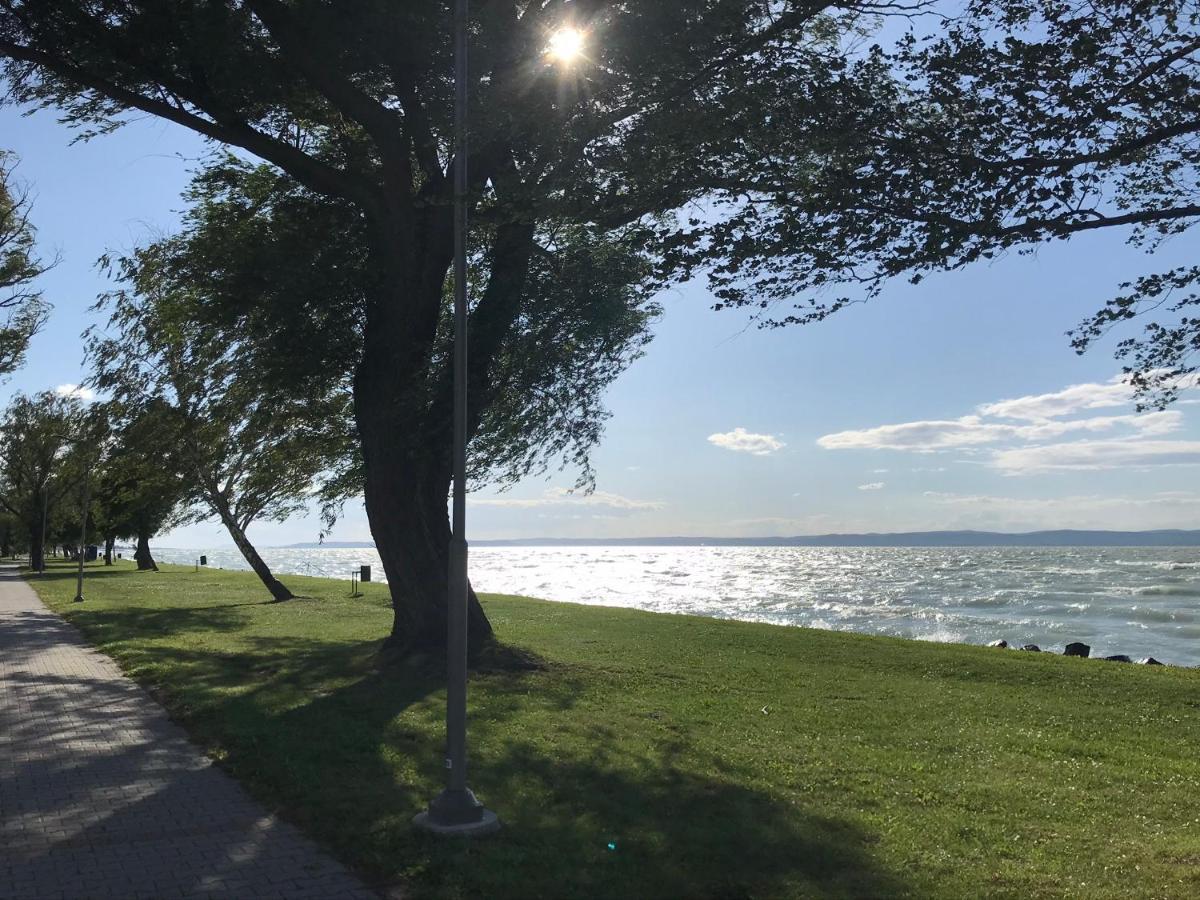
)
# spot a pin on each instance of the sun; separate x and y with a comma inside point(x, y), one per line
point(566, 45)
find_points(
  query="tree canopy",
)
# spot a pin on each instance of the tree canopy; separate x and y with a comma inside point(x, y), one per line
point(40, 462)
point(140, 488)
point(762, 145)
point(245, 447)
point(22, 305)
point(1012, 124)
point(569, 169)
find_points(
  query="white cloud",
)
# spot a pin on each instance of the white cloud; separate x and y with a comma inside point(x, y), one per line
point(87, 395)
point(972, 431)
point(1028, 435)
point(742, 441)
point(1096, 455)
point(879, 471)
point(873, 486)
point(563, 497)
point(1075, 398)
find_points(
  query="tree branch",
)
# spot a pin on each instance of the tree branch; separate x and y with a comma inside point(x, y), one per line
point(313, 174)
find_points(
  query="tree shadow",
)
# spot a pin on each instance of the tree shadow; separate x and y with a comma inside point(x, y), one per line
point(136, 623)
point(100, 789)
point(597, 823)
point(350, 749)
point(59, 573)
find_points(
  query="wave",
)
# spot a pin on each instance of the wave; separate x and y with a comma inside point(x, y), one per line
point(1168, 590)
point(1049, 597)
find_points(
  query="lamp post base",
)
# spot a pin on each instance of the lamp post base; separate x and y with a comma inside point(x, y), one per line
point(488, 823)
point(457, 812)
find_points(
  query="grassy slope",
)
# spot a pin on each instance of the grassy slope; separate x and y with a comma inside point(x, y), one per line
point(678, 756)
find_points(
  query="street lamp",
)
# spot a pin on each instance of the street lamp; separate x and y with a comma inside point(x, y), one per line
point(455, 811)
point(87, 490)
point(45, 514)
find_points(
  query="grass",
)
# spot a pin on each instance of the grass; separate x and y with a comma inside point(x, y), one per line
point(672, 756)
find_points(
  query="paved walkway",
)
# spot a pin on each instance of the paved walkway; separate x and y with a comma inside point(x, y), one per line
point(101, 796)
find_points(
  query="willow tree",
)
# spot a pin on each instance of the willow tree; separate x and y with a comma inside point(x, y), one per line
point(245, 451)
point(141, 487)
point(21, 304)
point(259, 302)
point(1016, 123)
point(40, 462)
point(354, 103)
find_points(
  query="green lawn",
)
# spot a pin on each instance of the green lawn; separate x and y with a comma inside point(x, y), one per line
point(671, 756)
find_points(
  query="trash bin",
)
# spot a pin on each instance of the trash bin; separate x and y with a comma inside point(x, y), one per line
point(364, 574)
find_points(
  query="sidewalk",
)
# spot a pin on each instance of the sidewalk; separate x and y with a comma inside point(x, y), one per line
point(101, 796)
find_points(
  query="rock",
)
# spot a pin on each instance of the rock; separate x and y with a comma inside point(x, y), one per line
point(1000, 643)
point(1032, 648)
point(1077, 649)
point(1120, 657)
point(1150, 661)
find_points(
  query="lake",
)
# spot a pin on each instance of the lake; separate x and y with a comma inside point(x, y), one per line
point(1138, 601)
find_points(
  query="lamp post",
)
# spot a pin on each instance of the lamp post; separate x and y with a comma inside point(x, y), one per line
point(87, 490)
point(45, 514)
point(456, 811)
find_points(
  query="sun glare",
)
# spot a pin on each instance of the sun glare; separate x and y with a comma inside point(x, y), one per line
point(566, 45)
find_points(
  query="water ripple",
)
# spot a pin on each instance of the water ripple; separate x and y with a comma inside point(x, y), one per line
point(1138, 601)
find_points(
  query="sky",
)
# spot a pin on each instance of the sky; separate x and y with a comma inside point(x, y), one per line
point(955, 404)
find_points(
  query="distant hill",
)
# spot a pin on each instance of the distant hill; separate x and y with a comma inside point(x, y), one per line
point(1064, 538)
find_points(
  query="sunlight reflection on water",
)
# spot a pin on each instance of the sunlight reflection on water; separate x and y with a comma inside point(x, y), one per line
point(1140, 601)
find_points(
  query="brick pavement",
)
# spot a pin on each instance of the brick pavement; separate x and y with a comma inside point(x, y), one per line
point(102, 796)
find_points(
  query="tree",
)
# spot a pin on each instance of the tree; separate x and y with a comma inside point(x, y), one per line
point(353, 102)
point(10, 531)
point(141, 487)
point(24, 308)
point(1019, 122)
point(37, 466)
point(246, 451)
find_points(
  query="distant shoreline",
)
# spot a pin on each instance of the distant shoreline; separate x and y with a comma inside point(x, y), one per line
point(1059, 538)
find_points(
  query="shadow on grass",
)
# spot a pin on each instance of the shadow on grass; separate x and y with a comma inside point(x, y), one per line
point(585, 816)
point(132, 624)
point(62, 573)
point(350, 751)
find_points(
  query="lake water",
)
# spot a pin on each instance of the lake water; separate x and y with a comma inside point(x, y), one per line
point(1143, 601)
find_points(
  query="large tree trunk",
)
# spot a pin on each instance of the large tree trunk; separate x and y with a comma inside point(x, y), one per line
point(405, 433)
point(278, 590)
point(406, 506)
point(37, 549)
point(145, 561)
point(110, 541)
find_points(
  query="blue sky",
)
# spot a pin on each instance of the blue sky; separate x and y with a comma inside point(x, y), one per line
point(886, 417)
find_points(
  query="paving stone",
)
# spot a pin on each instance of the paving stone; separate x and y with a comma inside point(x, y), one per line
point(101, 795)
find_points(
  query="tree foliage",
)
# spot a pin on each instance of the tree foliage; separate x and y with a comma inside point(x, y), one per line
point(24, 308)
point(1012, 124)
point(571, 169)
point(140, 486)
point(247, 447)
point(42, 462)
point(286, 269)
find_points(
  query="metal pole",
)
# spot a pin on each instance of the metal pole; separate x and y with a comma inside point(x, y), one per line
point(456, 696)
point(455, 810)
point(45, 511)
point(87, 489)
